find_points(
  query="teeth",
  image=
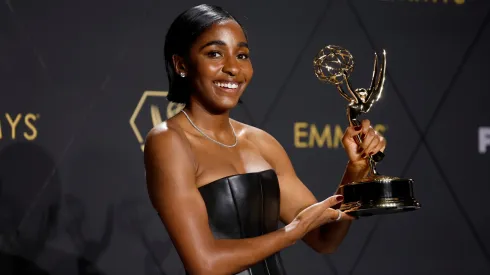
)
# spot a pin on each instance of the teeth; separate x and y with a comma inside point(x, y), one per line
point(227, 85)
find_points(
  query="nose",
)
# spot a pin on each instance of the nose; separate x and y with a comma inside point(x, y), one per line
point(231, 66)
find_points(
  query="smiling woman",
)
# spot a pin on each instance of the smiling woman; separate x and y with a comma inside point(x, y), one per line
point(220, 186)
point(187, 42)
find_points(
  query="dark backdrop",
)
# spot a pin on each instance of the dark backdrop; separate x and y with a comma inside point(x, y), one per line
point(83, 81)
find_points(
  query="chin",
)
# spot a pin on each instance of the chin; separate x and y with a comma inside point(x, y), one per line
point(226, 100)
point(218, 99)
point(226, 103)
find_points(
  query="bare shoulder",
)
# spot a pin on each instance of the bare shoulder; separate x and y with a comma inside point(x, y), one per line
point(167, 141)
point(163, 131)
point(161, 136)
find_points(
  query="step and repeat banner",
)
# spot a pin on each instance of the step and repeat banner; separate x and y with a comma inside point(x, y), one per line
point(82, 82)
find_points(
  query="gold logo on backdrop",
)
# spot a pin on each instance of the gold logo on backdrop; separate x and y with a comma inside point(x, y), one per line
point(18, 126)
point(147, 113)
point(309, 135)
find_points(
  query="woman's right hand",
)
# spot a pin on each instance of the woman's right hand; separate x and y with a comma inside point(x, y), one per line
point(315, 216)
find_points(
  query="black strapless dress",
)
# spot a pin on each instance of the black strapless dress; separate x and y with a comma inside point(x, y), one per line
point(245, 206)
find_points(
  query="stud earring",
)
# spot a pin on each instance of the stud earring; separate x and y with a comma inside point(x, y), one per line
point(182, 74)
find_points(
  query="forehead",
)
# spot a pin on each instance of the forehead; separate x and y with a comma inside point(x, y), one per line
point(228, 31)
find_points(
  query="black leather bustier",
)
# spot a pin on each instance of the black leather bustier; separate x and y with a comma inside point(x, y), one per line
point(245, 206)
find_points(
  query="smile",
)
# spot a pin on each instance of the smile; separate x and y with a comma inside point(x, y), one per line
point(226, 84)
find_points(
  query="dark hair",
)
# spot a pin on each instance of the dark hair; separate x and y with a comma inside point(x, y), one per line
point(183, 32)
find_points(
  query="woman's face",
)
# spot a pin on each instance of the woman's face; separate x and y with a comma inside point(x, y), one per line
point(219, 66)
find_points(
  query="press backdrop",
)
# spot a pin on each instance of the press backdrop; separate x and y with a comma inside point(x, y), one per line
point(83, 81)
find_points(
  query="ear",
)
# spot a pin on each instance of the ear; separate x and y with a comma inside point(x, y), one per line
point(179, 64)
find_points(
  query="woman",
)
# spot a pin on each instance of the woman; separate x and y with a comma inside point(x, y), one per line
point(220, 186)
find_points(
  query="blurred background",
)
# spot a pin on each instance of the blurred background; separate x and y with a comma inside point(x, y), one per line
point(82, 82)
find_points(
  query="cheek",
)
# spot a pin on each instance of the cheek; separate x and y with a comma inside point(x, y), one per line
point(207, 69)
point(203, 74)
point(248, 71)
point(251, 70)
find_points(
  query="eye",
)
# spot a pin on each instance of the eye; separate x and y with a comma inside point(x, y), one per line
point(243, 56)
point(213, 54)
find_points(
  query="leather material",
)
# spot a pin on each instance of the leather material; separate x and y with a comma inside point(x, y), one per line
point(245, 206)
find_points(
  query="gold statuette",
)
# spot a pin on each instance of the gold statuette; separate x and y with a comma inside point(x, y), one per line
point(376, 194)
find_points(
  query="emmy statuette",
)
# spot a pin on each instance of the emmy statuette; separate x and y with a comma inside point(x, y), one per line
point(375, 194)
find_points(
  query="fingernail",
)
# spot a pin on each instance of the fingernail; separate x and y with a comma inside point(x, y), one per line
point(339, 198)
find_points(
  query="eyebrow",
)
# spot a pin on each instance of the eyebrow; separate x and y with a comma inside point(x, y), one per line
point(221, 43)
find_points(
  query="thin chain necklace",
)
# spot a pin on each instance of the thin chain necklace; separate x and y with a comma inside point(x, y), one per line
point(208, 137)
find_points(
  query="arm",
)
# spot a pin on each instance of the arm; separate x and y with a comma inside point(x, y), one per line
point(295, 196)
point(170, 172)
point(330, 236)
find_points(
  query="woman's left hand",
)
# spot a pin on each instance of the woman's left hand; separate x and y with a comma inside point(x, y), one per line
point(372, 142)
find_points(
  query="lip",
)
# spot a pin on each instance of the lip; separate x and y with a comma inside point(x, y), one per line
point(237, 84)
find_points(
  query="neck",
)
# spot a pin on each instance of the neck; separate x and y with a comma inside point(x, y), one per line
point(206, 120)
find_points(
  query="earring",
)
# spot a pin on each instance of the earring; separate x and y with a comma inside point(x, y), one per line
point(182, 74)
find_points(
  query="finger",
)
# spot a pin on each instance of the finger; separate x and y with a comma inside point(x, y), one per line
point(335, 200)
point(367, 139)
point(372, 148)
point(363, 128)
point(332, 201)
point(366, 125)
point(347, 217)
point(352, 131)
point(382, 143)
point(337, 216)
point(329, 215)
point(379, 147)
point(378, 144)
